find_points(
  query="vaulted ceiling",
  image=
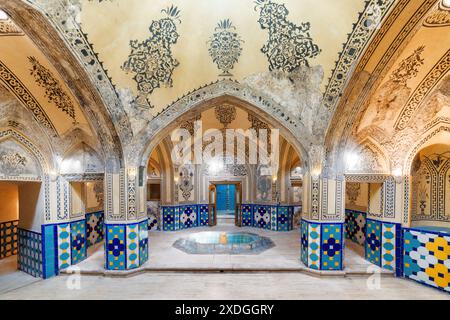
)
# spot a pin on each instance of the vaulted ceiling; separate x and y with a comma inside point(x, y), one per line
point(195, 34)
point(28, 75)
point(400, 88)
point(131, 60)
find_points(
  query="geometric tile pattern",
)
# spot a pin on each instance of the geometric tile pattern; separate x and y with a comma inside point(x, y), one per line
point(152, 215)
point(285, 217)
point(304, 242)
point(269, 217)
point(388, 247)
point(203, 215)
point(355, 226)
point(49, 251)
point(373, 242)
point(427, 258)
point(8, 239)
point(188, 216)
point(126, 245)
point(169, 218)
point(132, 243)
point(64, 247)
point(331, 247)
point(247, 215)
point(314, 246)
point(143, 243)
point(273, 218)
point(115, 247)
point(94, 228)
point(322, 246)
point(383, 245)
point(78, 238)
point(30, 253)
point(262, 217)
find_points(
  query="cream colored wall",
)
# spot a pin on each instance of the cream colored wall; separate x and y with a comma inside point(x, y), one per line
point(31, 206)
point(91, 202)
point(9, 201)
point(375, 199)
point(361, 202)
point(77, 204)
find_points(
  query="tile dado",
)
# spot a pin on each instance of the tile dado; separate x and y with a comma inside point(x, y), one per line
point(355, 226)
point(182, 217)
point(30, 253)
point(426, 258)
point(322, 245)
point(8, 239)
point(383, 246)
point(269, 217)
point(126, 245)
point(58, 246)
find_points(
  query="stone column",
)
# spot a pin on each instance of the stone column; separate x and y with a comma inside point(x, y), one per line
point(126, 225)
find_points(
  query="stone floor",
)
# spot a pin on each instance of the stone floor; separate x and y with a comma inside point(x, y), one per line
point(231, 286)
point(285, 256)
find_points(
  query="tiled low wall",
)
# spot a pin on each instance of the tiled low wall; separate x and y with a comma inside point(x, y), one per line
point(322, 245)
point(269, 217)
point(427, 257)
point(126, 245)
point(355, 226)
point(383, 246)
point(8, 239)
point(95, 228)
point(30, 252)
point(184, 217)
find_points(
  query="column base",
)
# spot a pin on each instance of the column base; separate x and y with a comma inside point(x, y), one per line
point(126, 245)
point(322, 245)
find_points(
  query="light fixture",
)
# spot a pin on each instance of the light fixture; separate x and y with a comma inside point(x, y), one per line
point(446, 3)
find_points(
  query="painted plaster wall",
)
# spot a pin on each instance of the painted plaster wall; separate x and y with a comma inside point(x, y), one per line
point(431, 187)
point(9, 202)
point(357, 197)
point(31, 206)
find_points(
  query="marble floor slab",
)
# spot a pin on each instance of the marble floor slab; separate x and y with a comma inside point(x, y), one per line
point(230, 286)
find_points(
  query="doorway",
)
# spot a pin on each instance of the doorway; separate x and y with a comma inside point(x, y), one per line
point(21, 205)
point(224, 203)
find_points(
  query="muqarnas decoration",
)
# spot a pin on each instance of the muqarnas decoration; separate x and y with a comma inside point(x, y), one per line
point(225, 47)
point(289, 45)
point(151, 61)
point(54, 91)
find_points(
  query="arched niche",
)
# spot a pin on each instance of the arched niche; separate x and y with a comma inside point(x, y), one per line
point(367, 157)
point(82, 160)
point(430, 185)
point(19, 158)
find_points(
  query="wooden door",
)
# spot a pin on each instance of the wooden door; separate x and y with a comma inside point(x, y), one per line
point(212, 211)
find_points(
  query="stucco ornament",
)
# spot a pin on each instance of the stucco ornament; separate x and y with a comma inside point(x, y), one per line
point(298, 92)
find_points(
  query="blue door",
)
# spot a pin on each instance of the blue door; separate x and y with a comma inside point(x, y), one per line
point(226, 199)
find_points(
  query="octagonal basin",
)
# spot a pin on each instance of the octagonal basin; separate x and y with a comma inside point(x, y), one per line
point(216, 242)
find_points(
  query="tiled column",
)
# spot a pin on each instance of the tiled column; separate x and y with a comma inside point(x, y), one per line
point(322, 226)
point(383, 245)
point(126, 225)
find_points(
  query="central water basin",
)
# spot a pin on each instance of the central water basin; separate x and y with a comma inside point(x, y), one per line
point(223, 243)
